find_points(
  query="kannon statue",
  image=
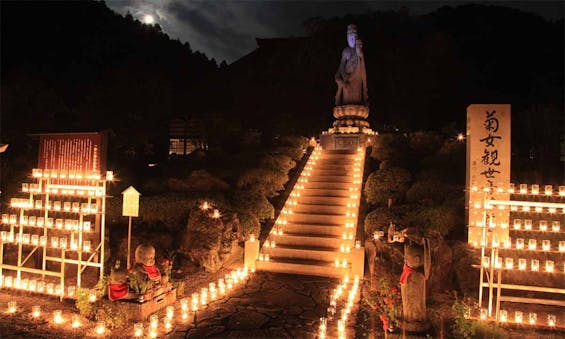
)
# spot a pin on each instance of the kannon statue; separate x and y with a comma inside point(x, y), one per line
point(351, 77)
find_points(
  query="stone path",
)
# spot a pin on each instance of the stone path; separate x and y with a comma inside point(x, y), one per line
point(269, 305)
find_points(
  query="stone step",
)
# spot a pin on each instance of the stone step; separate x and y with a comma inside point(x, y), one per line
point(303, 267)
point(331, 178)
point(326, 155)
point(297, 217)
point(331, 172)
point(326, 192)
point(321, 229)
point(326, 254)
point(326, 184)
point(319, 208)
point(323, 199)
point(308, 240)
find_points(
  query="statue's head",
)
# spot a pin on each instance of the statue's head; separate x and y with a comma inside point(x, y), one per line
point(351, 35)
point(145, 254)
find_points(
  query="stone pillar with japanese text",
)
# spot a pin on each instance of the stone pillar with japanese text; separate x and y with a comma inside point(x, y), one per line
point(488, 171)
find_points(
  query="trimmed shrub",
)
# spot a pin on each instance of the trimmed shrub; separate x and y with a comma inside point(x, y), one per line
point(387, 183)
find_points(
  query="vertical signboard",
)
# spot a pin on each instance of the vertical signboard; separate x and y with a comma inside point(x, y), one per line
point(77, 152)
point(488, 169)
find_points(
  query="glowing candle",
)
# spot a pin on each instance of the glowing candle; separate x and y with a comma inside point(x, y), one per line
point(32, 285)
point(67, 206)
point(168, 324)
point(523, 188)
point(59, 224)
point(532, 244)
point(8, 281)
point(509, 263)
point(548, 190)
point(49, 222)
point(486, 261)
point(58, 317)
point(503, 316)
point(195, 301)
point(36, 311)
point(92, 296)
point(535, 265)
point(562, 246)
point(336, 262)
point(75, 322)
point(508, 243)
point(528, 224)
point(545, 245)
point(522, 263)
point(184, 304)
point(4, 236)
point(170, 312)
point(357, 244)
point(555, 226)
point(498, 263)
point(562, 191)
point(71, 290)
point(153, 321)
point(100, 327)
point(12, 306)
point(43, 240)
point(41, 286)
point(13, 219)
point(35, 240)
point(551, 320)
point(54, 242)
point(74, 244)
point(549, 264)
point(86, 246)
point(532, 317)
point(518, 317)
point(63, 243)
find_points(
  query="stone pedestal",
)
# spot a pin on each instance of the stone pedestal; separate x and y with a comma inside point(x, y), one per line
point(350, 130)
point(251, 252)
point(357, 262)
point(141, 311)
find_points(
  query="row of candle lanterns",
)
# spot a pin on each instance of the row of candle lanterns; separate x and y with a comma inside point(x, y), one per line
point(37, 240)
point(344, 297)
point(40, 286)
point(57, 206)
point(40, 222)
point(508, 263)
point(532, 244)
point(345, 248)
point(532, 207)
point(72, 175)
point(523, 189)
point(58, 317)
point(56, 189)
point(519, 317)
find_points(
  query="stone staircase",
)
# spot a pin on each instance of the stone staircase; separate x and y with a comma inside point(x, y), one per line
point(315, 232)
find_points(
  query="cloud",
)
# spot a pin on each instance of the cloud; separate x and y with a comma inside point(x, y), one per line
point(226, 30)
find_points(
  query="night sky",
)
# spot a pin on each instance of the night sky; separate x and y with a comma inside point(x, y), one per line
point(226, 30)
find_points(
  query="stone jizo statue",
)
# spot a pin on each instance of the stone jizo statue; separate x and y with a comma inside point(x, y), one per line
point(350, 77)
point(417, 266)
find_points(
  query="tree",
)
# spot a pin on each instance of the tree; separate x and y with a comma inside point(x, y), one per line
point(387, 183)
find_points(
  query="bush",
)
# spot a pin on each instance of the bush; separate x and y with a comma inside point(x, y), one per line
point(393, 147)
point(253, 203)
point(293, 152)
point(264, 181)
point(278, 162)
point(429, 192)
point(467, 328)
point(387, 183)
point(441, 219)
point(197, 181)
point(250, 225)
point(424, 143)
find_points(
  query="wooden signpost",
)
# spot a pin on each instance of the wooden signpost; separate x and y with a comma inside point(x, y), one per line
point(130, 209)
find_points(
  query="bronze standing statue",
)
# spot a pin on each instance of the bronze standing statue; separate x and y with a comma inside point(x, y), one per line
point(417, 266)
point(351, 77)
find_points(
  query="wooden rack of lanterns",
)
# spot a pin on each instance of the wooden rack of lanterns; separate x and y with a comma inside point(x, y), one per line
point(62, 220)
point(497, 236)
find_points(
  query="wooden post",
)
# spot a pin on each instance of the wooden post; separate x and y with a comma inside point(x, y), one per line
point(129, 243)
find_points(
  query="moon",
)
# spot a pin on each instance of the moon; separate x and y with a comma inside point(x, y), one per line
point(148, 19)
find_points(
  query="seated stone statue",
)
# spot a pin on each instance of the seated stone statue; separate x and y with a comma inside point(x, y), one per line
point(146, 276)
point(118, 287)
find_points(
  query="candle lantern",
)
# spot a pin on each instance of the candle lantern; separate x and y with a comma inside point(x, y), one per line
point(36, 311)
